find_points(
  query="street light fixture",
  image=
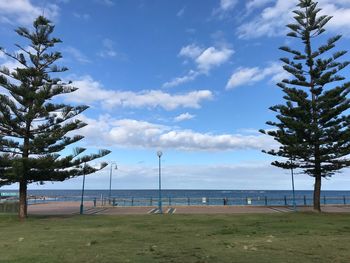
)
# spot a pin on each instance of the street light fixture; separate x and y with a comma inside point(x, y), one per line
point(159, 154)
point(82, 192)
point(110, 181)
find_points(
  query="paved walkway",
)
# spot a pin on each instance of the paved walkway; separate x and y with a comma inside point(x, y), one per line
point(70, 208)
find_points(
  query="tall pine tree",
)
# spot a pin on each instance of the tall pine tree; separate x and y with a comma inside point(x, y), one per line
point(34, 130)
point(312, 127)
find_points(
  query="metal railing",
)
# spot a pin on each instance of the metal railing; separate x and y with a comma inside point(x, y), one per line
point(197, 201)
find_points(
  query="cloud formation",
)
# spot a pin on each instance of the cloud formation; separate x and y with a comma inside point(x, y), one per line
point(76, 54)
point(131, 133)
point(248, 76)
point(272, 19)
point(227, 4)
point(92, 92)
point(24, 12)
point(204, 59)
point(191, 51)
point(108, 50)
point(184, 117)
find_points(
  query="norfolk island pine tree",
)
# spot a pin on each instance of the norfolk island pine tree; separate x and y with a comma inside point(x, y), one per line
point(33, 129)
point(312, 126)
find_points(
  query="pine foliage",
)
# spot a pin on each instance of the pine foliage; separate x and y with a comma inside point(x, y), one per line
point(312, 125)
point(34, 130)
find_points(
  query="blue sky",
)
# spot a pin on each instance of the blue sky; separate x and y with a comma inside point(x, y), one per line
point(192, 78)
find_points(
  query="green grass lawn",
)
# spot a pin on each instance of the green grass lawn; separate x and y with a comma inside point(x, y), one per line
point(177, 238)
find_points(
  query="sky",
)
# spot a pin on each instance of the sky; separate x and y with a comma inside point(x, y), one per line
point(193, 79)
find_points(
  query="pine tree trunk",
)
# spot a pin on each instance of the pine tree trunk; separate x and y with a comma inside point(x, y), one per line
point(23, 182)
point(22, 200)
point(317, 193)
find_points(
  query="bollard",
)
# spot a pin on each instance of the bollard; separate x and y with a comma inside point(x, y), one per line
point(285, 200)
point(265, 200)
point(304, 200)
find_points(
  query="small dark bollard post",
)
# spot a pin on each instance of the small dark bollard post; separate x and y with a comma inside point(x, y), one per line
point(95, 202)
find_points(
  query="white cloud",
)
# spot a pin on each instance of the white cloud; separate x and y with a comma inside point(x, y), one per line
point(248, 76)
point(340, 10)
point(108, 49)
point(83, 16)
point(91, 91)
point(181, 12)
point(257, 175)
point(141, 134)
point(108, 3)
point(224, 8)
point(204, 59)
point(183, 117)
point(213, 57)
point(24, 12)
point(208, 58)
point(270, 22)
point(191, 51)
point(190, 76)
point(227, 4)
point(252, 4)
point(11, 64)
point(76, 54)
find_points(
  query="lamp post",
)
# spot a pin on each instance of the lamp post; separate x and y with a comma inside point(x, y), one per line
point(82, 191)
point(159, 154)
point(292, 173)
point(110, 181)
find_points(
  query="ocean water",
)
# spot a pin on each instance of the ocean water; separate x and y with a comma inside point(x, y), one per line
point(190, 197)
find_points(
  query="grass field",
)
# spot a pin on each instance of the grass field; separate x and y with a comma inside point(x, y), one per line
point(177, 238)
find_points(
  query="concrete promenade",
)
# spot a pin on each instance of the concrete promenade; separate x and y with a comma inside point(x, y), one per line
point(71, 208)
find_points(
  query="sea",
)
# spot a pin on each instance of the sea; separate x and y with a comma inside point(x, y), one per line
point(188, 197)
